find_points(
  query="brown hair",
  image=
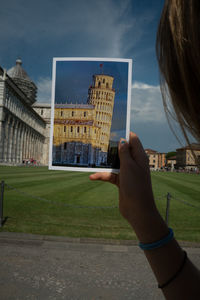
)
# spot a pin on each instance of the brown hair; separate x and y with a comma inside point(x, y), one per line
point(178, 53)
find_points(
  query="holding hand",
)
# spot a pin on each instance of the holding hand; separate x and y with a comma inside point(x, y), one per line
point(134, 182)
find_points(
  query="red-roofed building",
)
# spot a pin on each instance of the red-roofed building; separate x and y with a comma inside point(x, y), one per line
point(156, 159)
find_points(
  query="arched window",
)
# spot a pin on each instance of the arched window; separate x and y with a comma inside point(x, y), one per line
point(72, 113)
point(64, 128)
point(99, 84)
point(107, 85)
point(85, 129)
point(78, 129)
point(104, 80)
point(71, 128)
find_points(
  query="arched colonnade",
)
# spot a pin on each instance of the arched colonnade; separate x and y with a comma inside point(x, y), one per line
point(20, 142)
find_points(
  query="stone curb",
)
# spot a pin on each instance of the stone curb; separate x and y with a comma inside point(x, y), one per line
point(28, 236)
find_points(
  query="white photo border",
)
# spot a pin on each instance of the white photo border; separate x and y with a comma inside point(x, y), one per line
point(128, 112)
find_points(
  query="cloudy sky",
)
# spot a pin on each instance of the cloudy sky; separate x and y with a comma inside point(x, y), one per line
point(36, 31)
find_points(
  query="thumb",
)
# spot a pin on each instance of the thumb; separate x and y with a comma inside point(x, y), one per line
point(137, 151)
point(124, 152)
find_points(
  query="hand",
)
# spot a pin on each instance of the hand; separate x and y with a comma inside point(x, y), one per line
point(134, 182)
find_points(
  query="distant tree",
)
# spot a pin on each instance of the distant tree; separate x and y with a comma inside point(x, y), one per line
point(170, 154)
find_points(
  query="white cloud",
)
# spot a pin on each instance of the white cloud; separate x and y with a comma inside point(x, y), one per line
point(146, 103)
point(44, 90)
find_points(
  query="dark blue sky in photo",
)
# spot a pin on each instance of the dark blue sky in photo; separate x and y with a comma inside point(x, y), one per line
point(73, 79)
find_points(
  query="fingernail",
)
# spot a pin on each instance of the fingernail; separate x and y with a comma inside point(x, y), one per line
point(123, 142)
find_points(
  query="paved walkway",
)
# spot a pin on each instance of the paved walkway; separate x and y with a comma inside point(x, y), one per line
point(39, 267)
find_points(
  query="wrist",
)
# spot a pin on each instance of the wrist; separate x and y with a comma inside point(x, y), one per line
point(149, 226)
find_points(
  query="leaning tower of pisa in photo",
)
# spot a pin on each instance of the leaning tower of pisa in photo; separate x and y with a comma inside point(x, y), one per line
point(101, 94)
point(82, 131)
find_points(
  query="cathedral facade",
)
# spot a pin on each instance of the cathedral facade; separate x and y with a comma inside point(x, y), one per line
point(82, 131)
point(24, 132)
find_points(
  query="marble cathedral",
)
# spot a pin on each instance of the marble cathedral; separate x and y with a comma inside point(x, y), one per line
point(24, 123)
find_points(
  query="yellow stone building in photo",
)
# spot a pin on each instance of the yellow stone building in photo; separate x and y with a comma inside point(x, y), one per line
point(82, 131)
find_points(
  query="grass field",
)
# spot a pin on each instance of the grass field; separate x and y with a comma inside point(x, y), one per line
point(67, 204)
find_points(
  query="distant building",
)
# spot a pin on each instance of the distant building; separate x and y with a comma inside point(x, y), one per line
point(82, 131)
point(171, 162)
point(161, 160)
point(44, 111)
point(185, 158)
point(153, 158)
point(156, 159)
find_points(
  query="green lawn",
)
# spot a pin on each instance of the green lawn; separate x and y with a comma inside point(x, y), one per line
point(73, 201)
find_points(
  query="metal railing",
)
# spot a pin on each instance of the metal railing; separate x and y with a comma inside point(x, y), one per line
point(3, 185)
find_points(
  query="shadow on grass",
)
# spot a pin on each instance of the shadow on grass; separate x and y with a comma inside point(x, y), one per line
point(3, 221)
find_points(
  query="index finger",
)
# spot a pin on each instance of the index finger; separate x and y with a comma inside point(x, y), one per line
point(106, 176)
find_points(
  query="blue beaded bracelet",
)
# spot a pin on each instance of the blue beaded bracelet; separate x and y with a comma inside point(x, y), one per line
point(159, 243)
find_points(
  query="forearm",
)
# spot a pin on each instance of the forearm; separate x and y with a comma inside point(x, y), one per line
point(166, 260)
point(137, 206)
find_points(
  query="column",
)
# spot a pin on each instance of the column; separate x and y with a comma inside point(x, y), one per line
point(18, 139)
point(10, 140)
point(6, 140)
point(34, 147)
point(19, 150)
point(28, 145)
point(2, 140)
point(40, 150)
point(22, 144)
point(14, 144)
point(31, 146)
point(37, 154)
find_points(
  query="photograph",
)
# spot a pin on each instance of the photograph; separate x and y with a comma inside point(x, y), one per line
point(91, 101)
